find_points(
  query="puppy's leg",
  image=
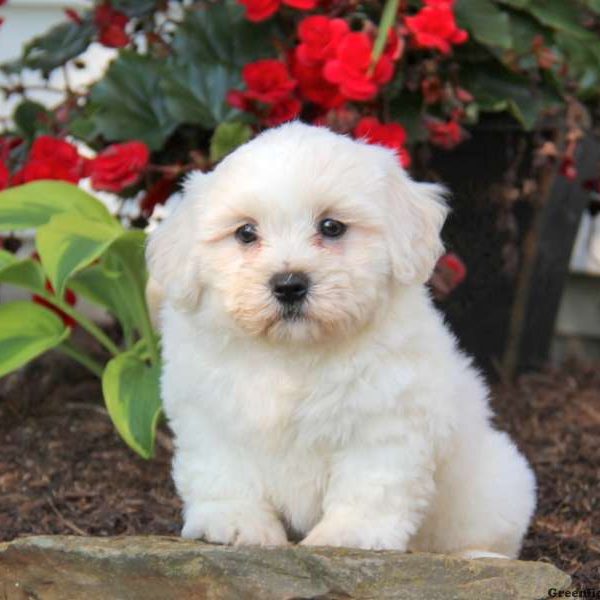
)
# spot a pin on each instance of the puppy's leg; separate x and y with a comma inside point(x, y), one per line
point(378, 492)
point(485, 498)
point(223, 499)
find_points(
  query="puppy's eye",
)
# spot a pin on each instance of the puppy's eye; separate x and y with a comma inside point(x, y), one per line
point(246, 233)
point(331, 228)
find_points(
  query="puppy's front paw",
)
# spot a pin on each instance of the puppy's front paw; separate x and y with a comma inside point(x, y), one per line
point(344, 529)
point(236, 523)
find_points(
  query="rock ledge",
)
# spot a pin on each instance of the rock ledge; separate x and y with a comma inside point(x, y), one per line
point(162, 568)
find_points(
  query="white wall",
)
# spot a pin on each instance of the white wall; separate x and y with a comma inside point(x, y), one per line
point(23, 20)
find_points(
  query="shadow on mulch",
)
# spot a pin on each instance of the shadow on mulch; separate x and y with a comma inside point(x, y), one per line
point(64, 470)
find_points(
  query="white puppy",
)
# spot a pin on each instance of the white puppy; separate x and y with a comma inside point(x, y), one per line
point(313, 390)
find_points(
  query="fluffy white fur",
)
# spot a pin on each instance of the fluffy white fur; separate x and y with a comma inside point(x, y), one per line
point(360, 424)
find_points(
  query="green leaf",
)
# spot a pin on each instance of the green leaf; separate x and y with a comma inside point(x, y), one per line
point(106, 289)
point(135, 8)
point(485, 21)
point(516, 3)
point(26, 273)
point(68, 243)
point(35, 203)
point(583, 60)
point(31, 117)
point(219, 33)
point(128, 103)
point(497, 89)
point(407, 109)
point(562, 16)
point(196, 93)
point(26, 331)
point(226, 138)
point(118, 281)
point(524, 30)
point(59, 45)
point(130, 249)
point(593, 5)
point(211, 46)
point(131, 394)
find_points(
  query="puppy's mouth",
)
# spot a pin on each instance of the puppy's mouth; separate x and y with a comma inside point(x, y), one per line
point(292, 312)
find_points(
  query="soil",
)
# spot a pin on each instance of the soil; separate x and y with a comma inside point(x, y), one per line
point(64, 470)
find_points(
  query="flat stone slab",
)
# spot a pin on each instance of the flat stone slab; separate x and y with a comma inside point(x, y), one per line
point(162, 568)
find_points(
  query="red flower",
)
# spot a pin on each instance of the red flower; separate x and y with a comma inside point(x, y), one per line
point(390, 135)
point(269, 93)
point(238, 99)
point(119, 166)
point(434, 26)
point(302, 4)
point(157, 194)
point(351, 69)
point(70, 299)
point(111, 24)
point(7, 144)
point(314, 87)
point(51, 158)
point(259, 10)
point(4, 175)
point(285, 110)
point(268, 81)
point(319, 37)
point(446, 135)
point(568, 168)
point(450, 271)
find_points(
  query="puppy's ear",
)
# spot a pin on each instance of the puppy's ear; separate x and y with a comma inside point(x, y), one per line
point(416, 212)
point(173, 264)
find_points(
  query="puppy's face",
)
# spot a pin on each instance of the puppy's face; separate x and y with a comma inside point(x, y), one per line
point(295, 236)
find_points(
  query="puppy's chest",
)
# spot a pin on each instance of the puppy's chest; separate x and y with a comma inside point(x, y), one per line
point(281, 404)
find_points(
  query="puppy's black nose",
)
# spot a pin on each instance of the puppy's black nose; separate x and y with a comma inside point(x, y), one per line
point(289, 287)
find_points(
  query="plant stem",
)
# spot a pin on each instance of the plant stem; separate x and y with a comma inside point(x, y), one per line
point(86, 323)
point(82, 358)
point(146, 326)
point(388, 18)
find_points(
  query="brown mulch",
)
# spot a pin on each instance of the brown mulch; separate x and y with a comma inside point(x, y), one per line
point(63, 469)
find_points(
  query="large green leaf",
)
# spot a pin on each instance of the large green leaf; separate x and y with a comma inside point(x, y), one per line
point(196, 93)
point(497, 89)
point(516, 3)
point(135, 8)
point(131, 392)
point(485, 21)
point(26, 273)
point(227, 137)
point(525, 29)
point(130, 250)
point(118, 281)
point(33, 204)
point(108, 287)
point(128, 103)
point(219, 33)
point(593, 5)
point(69, 243)
point(583, 60)
point(562, 16)
point(59, 45)
point(211, 46)
point(26, 331)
